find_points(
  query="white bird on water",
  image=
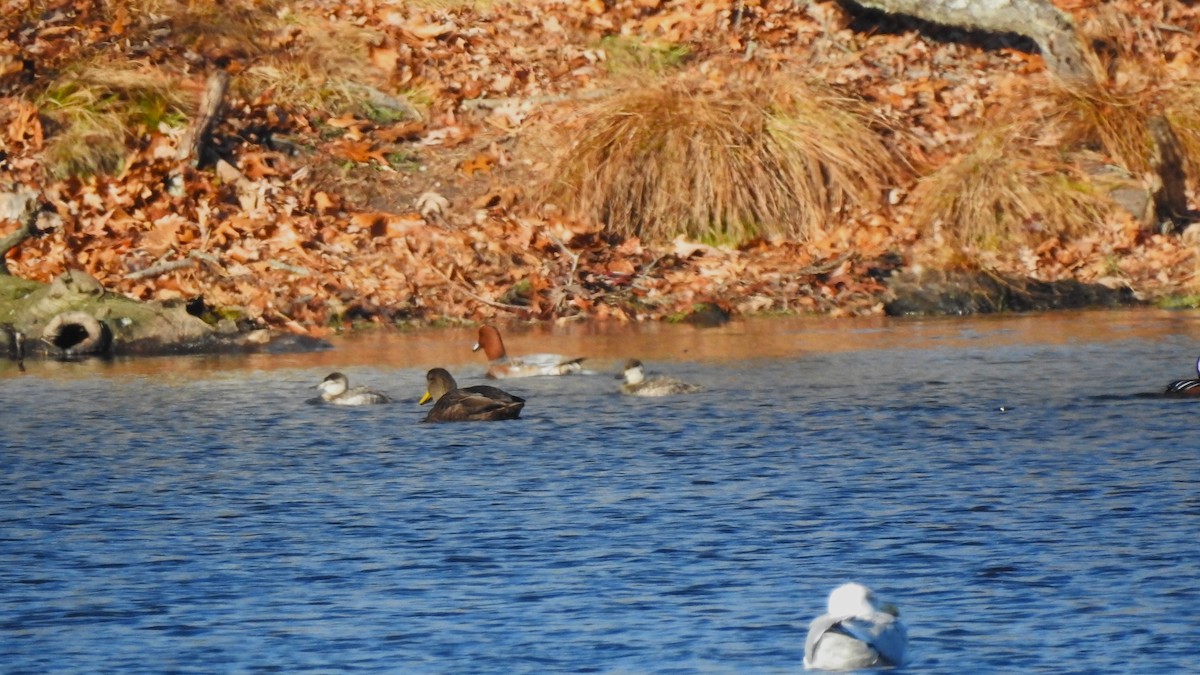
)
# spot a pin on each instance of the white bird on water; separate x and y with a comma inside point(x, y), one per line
point(855, 633)
point(336, 389)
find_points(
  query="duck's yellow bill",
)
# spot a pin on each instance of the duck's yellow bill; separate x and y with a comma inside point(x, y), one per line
point(425, 399)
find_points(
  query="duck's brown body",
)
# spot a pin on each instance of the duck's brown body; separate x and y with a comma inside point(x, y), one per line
point(471, 404)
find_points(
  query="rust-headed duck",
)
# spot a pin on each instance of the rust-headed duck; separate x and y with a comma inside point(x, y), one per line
point(501, 365)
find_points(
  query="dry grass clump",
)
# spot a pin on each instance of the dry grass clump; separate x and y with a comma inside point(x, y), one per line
point(1058, 166)
point(1134, 85)
point(94, 110)
point(1006, 191)
point(98, 104)
point(325, 66)
point(626, 54)
point(1183, 112)
point(764, 159)
point(1106, 119)
point(207, 28)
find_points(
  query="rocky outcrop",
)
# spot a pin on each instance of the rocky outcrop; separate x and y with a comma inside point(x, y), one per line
point(74, 316)
point(958, 293)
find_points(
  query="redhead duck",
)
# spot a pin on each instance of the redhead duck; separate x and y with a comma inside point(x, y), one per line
point(637, 384)
point(336, 389)
point(501, 365)
point(471, 404)
point(1185, 387)
point(854, 633)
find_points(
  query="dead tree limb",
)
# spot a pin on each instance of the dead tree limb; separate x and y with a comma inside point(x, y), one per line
point(192, 145)
point(1170, 199)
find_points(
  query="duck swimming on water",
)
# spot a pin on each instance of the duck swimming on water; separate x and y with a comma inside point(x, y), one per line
point(501, 365)
point(335, 389)
point(480, 403)
point(637, 384)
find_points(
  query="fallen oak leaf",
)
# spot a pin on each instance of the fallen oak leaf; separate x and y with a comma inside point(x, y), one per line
point(428, 31)
point(408, 131)
point(324, 203)
point(345, 122)
point(360, 152)
point(431, 204)
point(385, 58)
point(499, 198)
point(256, 165)
point(481, 163)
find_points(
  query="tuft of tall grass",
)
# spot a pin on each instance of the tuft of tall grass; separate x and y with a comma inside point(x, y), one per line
point(1106, 119)
point(767, 158)
point(1005, 191)
point(95, 109)
point(1183, 112)
point(624, 54)
point(204, 26)
point(325, 67)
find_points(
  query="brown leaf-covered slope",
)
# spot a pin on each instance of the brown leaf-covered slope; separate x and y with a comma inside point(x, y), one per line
point(310, 212)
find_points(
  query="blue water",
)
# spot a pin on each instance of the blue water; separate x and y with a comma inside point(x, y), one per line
point(1024, 504)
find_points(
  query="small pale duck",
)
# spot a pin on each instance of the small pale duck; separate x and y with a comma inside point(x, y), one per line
point(481, 403)
point(336, 389)
point(1189, 387)
point(855, 633)
point(637, 384)
point(501, 365)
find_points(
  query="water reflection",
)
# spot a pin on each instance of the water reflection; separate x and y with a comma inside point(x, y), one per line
point(607, 344)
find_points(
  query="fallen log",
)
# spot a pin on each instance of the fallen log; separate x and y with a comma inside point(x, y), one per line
point(938, 293)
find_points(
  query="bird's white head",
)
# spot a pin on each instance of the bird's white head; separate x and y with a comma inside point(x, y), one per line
point(852, 599)
point(334, 385)
point(634, 373)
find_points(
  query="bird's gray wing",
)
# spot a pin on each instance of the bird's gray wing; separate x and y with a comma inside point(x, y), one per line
point(883, 632)
point(816, 629)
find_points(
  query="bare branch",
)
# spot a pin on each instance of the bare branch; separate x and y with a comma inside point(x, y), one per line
point(490, 303)
point(192, 144)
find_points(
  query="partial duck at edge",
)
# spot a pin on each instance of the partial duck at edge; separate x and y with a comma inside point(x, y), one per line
point(1189, 387)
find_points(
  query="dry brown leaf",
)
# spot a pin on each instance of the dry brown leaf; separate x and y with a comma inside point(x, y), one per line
point(481, 163)
point(323, 202)
point(361, 152)
point(385, 58)
point(431, 204)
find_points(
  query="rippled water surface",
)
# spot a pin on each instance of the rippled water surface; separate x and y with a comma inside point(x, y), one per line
point(1007, 482)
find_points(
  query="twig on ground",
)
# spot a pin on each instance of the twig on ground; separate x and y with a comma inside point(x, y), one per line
point(466, 291)
point(294, 269)
point(172, 265)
